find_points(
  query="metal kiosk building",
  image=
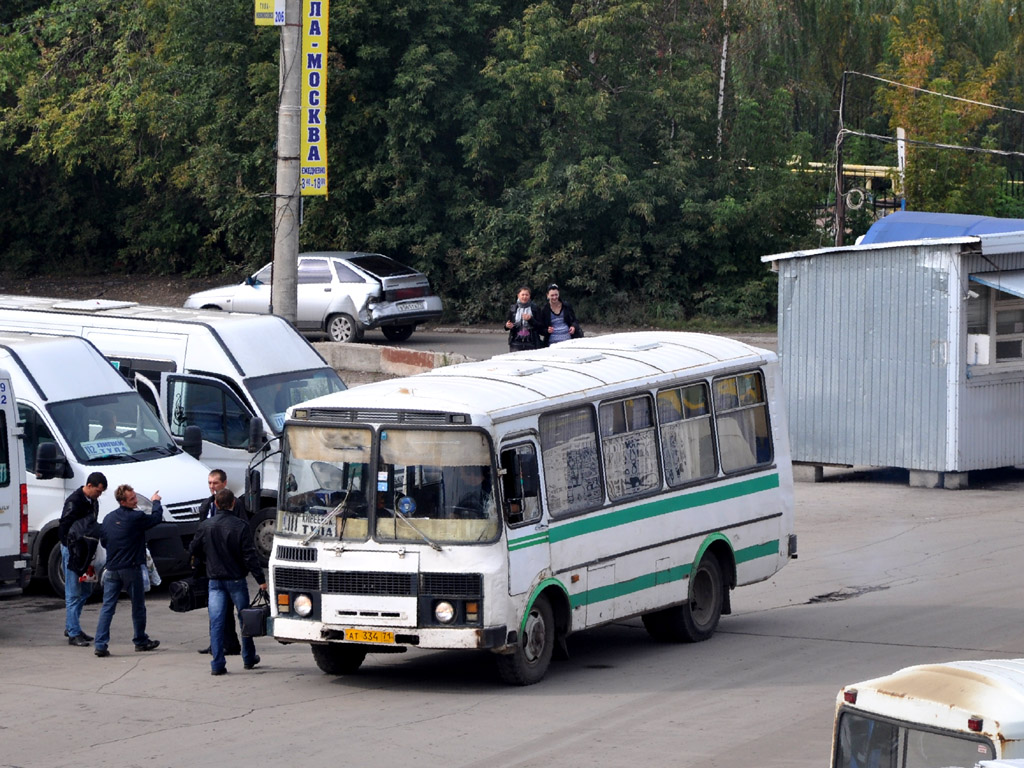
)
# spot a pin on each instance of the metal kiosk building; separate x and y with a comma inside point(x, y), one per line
point(907, 350)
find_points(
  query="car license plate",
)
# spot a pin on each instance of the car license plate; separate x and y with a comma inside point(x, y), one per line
point(409, 306)
point(369, 636)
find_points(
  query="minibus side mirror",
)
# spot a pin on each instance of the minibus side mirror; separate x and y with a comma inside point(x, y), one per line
point(192, 441)
point(50, 462)
point(253, 488)
point(257, 437)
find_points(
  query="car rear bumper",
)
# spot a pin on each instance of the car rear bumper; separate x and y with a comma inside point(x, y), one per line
point(406, 312)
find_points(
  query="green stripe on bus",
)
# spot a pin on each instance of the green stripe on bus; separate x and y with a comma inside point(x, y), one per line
point(656, 578)
point(528, 541)
point(717, 493)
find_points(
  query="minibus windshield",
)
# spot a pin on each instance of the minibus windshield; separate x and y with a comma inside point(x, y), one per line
point(277, 393)
point(112, 428)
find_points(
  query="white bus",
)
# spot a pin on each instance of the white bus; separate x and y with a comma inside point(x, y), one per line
point(953, 715)
point(504, 504)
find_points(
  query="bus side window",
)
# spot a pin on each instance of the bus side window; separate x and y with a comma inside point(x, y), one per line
point(520, 484)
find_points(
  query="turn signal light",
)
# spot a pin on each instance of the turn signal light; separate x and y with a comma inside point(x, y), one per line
point(975, 724)
point(283, 603)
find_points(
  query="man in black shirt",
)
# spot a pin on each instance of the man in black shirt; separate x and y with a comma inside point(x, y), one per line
point(217, 481)
point(224, 546)
point(81, 504)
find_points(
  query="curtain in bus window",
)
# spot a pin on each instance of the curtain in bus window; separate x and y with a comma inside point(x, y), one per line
point(572, 476)
point(686, 441)
point(742, 419)
point(629, 447)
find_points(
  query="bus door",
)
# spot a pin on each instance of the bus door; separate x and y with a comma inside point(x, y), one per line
point(526, 525)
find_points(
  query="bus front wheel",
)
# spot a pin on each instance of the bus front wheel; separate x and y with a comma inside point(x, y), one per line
point(697, 619)
point(338, 659)
point(529, 662)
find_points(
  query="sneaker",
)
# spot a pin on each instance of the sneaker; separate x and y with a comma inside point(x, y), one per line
point(254, 663)
point(80, 640)
point(218, 672)
point(101, 652)
point(149, 645)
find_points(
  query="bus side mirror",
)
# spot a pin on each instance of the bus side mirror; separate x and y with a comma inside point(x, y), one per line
point(256, 435)
point(192, 441)
point(50, 462)
point(253, 489)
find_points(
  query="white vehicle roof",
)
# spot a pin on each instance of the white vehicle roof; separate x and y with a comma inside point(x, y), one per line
point(947, 695)
point(542, 377)
point(59, 367)
point(234, 332)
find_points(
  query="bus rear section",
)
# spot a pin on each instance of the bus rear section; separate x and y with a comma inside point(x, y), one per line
point(954, 715)
point(503, 505)
point(14, 558)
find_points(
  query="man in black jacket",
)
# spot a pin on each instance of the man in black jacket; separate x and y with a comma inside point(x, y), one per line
point(123, 533)
point(224, 546)
point(80, 505)
point(218, 480)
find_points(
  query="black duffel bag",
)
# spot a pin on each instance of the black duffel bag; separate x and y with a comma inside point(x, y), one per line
point(189, 594)
point(254, 618)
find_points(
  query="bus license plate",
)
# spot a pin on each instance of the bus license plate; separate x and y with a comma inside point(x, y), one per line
point(368, 636)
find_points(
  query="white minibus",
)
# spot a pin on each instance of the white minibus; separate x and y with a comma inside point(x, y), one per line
point(78, 416)
point(232, 375)
point(505, 504)
point(954, 715)
point(14, 570)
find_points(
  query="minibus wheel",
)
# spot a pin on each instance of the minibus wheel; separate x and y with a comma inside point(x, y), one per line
point(334, 659)
point(55, 570)
point(529, 662)
point(696, 619)
point(263, 525)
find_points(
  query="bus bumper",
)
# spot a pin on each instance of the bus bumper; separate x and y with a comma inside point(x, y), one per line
point(287, 630)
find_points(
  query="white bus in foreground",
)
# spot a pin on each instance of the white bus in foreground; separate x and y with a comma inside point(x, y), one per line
point(953, 715)
point(504, 504)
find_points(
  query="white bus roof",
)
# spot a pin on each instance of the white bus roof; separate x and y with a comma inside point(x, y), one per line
point(59, 367)
point(233, 331)
point(947, 695)
point(513, 382)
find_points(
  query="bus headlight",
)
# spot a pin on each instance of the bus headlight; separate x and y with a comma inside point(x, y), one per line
point(444, 612)
point(303, 605)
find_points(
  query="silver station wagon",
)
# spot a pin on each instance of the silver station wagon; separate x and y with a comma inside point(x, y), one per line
point(340, 293)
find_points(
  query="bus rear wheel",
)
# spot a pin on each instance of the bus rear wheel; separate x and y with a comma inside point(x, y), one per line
point(697, 619)
point(338, 659)
point(529, 662)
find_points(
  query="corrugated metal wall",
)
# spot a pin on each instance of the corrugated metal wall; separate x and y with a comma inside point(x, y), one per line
point(864, 339)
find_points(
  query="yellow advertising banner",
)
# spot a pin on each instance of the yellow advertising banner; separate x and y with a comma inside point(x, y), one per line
point(269, 13)
point(313, 105)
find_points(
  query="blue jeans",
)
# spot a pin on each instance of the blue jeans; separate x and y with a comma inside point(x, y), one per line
point(223, 594)
point(113, 583)
point(76, 593)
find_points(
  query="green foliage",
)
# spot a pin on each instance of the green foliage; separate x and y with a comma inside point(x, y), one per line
point(492, 143)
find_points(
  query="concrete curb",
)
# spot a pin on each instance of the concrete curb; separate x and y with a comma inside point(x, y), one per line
point(371, 358)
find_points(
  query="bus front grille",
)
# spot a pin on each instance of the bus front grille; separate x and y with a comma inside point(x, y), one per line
point(369, 583)
point(296, 578)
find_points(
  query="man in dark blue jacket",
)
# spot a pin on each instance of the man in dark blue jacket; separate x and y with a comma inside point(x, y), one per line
point(123, 533)
point(224, 545)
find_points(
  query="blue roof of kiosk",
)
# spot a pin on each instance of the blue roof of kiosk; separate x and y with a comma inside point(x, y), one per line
point(921, 225)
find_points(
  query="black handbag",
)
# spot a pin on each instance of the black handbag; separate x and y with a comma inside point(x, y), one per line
point(254, 618)
point(189, 594)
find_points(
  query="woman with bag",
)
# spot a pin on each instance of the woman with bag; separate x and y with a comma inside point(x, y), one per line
point(558, 318)
point(521, 322)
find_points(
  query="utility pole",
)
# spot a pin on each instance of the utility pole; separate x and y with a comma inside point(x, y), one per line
point(283, 289)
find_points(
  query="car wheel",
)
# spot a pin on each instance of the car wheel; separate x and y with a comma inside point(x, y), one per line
point(398, 332)
point(211, 306)
point(343, 328)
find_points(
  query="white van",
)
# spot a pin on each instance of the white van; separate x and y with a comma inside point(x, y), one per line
point(232, 375)
point(78, 416)
point(14, 570)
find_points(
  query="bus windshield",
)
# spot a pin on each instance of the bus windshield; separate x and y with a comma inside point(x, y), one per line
point(867, 742)
point(428, 486)
point(112, 428)
point(276, 394)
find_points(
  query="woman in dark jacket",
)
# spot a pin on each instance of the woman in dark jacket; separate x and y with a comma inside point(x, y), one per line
point(524, 330)
point(558, 318)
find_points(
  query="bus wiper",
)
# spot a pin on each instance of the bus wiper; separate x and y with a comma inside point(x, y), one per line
point(338, 510)
point(424, 536)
